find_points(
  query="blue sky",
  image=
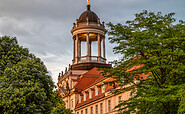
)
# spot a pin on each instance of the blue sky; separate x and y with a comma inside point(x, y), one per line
point(43, 26)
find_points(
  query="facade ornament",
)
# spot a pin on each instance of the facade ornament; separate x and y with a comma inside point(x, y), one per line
point(69, 68)
point(59, 75)
point(66, 70)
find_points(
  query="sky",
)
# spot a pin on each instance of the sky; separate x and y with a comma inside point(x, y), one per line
point(43, 26)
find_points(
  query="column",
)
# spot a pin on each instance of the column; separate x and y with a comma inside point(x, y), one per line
point(99, 48)
point(87, 40)
point(77, 56)
point(73, 50)
point(104, 48)
point(79, 48)
point(90, 48)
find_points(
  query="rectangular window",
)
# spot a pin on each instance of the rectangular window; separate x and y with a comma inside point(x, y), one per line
point(86, 111)
point(81, 111)
point(120, 99)
point(91, 110)
point(101, 108)
point(96, 109)
point(109, 105)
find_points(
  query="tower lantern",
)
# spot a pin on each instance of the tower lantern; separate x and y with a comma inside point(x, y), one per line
point(88, 29)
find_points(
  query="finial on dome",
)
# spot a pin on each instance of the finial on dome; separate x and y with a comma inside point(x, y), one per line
point(88, 6)
point(88, 2)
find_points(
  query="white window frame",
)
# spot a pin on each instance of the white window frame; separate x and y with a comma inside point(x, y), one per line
point(96, 91)
point(90, 94)
point(103, 89)
point(85, 96)
point(80, 98)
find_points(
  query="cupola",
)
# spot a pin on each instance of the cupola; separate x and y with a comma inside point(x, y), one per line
point(88, 29)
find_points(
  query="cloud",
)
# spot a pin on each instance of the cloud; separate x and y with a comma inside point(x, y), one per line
point(44, 26)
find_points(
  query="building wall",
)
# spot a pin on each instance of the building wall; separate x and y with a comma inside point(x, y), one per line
point(72, 99)
point(114, 102)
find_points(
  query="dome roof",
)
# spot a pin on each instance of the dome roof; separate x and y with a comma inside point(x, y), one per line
point(92, 17)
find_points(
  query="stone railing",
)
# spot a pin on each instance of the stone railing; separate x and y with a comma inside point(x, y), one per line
point(94, 59)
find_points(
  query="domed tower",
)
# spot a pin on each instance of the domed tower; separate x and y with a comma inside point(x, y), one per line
point(88, 29)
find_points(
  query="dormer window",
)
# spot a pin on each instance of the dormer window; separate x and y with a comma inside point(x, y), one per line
point(96, 91)
point(103, 89)
point(90, 94)
point(84, 96)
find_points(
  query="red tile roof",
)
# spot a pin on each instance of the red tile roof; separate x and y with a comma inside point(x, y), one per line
point(99, 79)
point(93, 72)
point(89, 78)
point(84, 82)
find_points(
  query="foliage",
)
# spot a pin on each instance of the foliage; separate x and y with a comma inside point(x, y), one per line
point(11, 53)
point(59, 105)
point(152, 45)
point(25, 86)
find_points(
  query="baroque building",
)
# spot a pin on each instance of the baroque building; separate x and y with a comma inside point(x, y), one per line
point(81, 85)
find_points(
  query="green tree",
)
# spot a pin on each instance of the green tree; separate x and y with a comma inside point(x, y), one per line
point(157, 42)
point(11, 53)
point(59, 105)
point(25, 86)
